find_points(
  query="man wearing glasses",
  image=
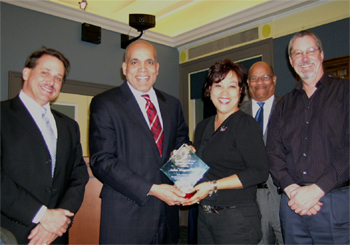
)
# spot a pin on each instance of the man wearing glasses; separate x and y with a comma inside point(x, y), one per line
point(308, 148)
point(262, 83)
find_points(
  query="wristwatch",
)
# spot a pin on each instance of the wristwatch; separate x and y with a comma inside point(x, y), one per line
point(213, 187)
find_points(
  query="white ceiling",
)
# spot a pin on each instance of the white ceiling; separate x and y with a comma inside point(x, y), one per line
point(179, 23)
point(173, 17)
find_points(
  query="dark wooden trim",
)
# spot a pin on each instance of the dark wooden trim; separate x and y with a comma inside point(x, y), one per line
point(15, 83)
point(337, 67)
point(69, 86)
point(262, 48)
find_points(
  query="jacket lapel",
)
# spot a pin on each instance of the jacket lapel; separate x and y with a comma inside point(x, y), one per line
point(247, 107)
point(28, 123)
point(132, 107)
point(166, 117)
point(26, 120)
point(62, 139)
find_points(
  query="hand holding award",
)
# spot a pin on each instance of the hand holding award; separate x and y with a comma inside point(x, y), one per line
point(185, 169)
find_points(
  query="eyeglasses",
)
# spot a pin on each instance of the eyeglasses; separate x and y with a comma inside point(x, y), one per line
point(309, 52)
point(263, 78)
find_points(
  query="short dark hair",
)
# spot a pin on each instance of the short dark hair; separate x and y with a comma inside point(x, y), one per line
point(303, 34)
point(32, 60)
point(219, 71)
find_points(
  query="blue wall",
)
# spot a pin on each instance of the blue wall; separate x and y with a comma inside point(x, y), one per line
point(24, 31)
point(335, 41)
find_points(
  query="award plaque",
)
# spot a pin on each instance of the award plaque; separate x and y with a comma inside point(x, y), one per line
point(185, 168)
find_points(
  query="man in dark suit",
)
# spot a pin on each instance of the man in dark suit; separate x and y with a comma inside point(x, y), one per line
point(138, 200)
point(262, 82)
point(42, 180)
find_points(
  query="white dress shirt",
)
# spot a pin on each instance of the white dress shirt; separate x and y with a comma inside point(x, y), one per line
point(267, 110)
point(142, 102)
point(35, 111)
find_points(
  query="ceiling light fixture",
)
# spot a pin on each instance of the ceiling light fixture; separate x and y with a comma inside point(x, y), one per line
point(140, 22)
point(83, 4)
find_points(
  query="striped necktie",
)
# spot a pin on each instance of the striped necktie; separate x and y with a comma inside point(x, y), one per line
point(156, 127)
point(259, 117)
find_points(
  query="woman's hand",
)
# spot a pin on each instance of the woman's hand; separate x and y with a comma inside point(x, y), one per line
point(201, 192)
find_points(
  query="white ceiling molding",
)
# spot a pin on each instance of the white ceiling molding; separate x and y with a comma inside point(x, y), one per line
point(78, 15)
point(225, 27)
point(244, 20)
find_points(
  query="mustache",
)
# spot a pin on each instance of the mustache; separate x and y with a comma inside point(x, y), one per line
point(305, 63)
point(261, 86)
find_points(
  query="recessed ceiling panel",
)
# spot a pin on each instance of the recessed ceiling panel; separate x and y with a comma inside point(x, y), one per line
point(173, 17)
point(200, 14)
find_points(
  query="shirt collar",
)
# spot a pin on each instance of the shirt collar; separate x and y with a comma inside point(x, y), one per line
point(31, 104)
point(138, 93)
point(268, 101)
point(325, 81)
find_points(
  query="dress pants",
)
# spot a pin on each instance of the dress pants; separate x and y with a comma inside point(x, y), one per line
point(162, 236)
point(269, 202)
point(329, 226)
point(240, 225)
point(192, 224)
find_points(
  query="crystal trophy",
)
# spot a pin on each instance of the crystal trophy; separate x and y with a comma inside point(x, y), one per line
point(185, 169)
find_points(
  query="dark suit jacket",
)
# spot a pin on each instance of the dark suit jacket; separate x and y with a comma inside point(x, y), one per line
point(246, 107)
point(26, 182)
point(125, 158)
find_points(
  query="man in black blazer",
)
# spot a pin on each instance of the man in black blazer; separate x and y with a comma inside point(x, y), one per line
point(41, 190)
point(262, 83)
point(138, 200)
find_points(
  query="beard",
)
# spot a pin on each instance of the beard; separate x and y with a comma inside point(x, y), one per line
point(307, 74)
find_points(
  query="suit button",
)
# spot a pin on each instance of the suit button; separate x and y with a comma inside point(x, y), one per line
point(48, 161)
point(48, 189)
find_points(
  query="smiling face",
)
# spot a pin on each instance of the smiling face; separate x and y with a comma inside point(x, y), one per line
point(225, 95)
point(140, 66)
point(43, 82)
point(261, 90)
point(308, 66)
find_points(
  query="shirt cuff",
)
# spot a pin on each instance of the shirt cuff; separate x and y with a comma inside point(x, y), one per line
point(39, 214)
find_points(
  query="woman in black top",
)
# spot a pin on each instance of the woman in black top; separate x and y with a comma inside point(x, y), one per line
point(231, 143)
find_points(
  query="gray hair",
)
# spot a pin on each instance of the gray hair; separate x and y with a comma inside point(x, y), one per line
point(302, 34)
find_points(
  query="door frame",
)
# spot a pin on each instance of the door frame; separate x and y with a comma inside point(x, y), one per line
point(69, 86)
point(262, 48)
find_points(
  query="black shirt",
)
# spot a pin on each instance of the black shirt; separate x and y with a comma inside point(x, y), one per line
point(308, 139)
point(236, 147)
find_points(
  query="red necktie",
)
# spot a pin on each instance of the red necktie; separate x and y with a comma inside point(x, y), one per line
point(156, 127)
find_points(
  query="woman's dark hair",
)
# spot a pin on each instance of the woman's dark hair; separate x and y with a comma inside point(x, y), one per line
point(219, 71)
point(32, 60)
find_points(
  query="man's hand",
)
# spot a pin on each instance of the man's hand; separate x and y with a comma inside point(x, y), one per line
point(305, 200)
point(41, 236)
point(169, 194)
point(290, 188)
point(56, 220)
